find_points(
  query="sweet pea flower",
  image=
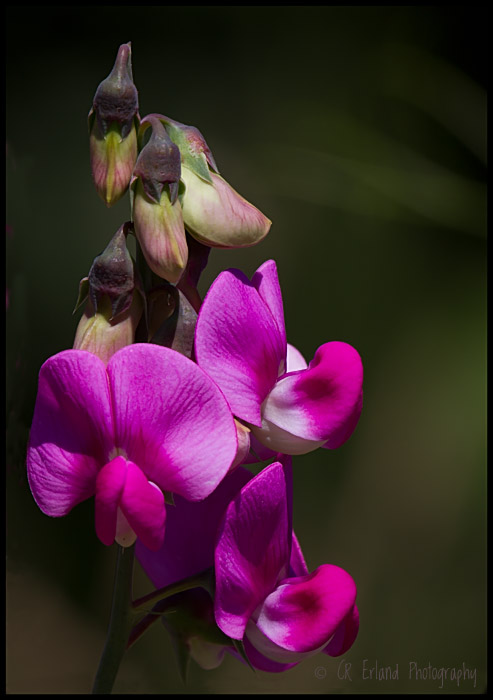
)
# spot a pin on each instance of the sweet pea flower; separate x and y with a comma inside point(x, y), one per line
point(265, 595)
point(245, 527)
point(149, 422)
point(290, 407)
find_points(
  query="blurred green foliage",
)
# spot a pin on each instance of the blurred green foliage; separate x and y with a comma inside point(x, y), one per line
point(361, 132)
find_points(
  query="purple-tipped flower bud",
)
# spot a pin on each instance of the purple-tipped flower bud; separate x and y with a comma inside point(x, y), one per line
point(156, 209)
point(114, 305)
point(112, 129)
point(213, 212)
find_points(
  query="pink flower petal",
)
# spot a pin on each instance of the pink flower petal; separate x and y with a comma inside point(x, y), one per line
point(324, 401)
point(297, 561)
point(345, 634)
point(263, 663)
point(171, 419)
point(71, 433)
point(191, 533)
point(271, 652)
point(303, 613)
point(266, 281)
point(238, 343)
point(109, 488)
point(253, 548)
point(142, 503)
point(295, 360)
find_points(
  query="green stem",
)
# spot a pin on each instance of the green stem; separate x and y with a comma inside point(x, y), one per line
point(203, 580)
point(120, 623)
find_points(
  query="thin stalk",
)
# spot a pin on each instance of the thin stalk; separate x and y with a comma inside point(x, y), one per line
point(203, 580)
point(120, 623)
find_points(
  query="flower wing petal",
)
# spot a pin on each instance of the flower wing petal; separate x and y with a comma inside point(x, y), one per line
point(238, 343)
point(253, 548)
point(142, 503)
point(324, 401)
point(72, 431)
point(303, 613)
point(109, 488)
point(345, 634)
point(171, 419)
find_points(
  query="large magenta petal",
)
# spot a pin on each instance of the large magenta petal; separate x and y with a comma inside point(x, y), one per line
point(323, 402)
point(238, 343)
point(266, 281)
point(253, 548)
point(72, 431)
point(345, 634)
point(303, 613)
point(191, 533)
point(171, 420)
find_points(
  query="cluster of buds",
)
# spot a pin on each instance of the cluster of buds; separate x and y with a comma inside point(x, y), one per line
point(164, 398)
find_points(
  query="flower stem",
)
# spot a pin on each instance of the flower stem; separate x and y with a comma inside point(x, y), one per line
point(203, 580)
point(120, 623)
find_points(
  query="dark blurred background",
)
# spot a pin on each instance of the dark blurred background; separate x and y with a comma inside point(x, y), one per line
point(361, 132)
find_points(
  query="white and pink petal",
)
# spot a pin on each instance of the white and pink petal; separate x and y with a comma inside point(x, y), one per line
point(303, 613)
point(320, 404)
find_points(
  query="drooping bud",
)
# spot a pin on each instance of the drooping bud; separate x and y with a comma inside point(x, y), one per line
point(112, 128)
point(114, 301)
point(213, 212)
point(156, 209)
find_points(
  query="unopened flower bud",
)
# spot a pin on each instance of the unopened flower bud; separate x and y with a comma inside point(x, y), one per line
point(102, 336)
point(114, 301)
point(112, 274)
point(156, 210)
point(213, 212)
point(112, 129)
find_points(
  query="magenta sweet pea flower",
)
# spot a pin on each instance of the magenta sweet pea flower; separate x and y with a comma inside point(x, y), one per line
point(290, 407)
point(150, 421)
point(245, 527)
point(265, 595)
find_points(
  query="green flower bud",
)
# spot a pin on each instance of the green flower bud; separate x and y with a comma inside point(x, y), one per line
point(156, 209)
point(112, 130)
point(114, 301)
point(213, 212)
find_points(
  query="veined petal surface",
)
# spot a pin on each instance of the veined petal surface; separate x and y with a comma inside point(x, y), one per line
point(72, 431)
point(238, 343)
point(253, 548)
point(266, 282)
point(171, 420)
